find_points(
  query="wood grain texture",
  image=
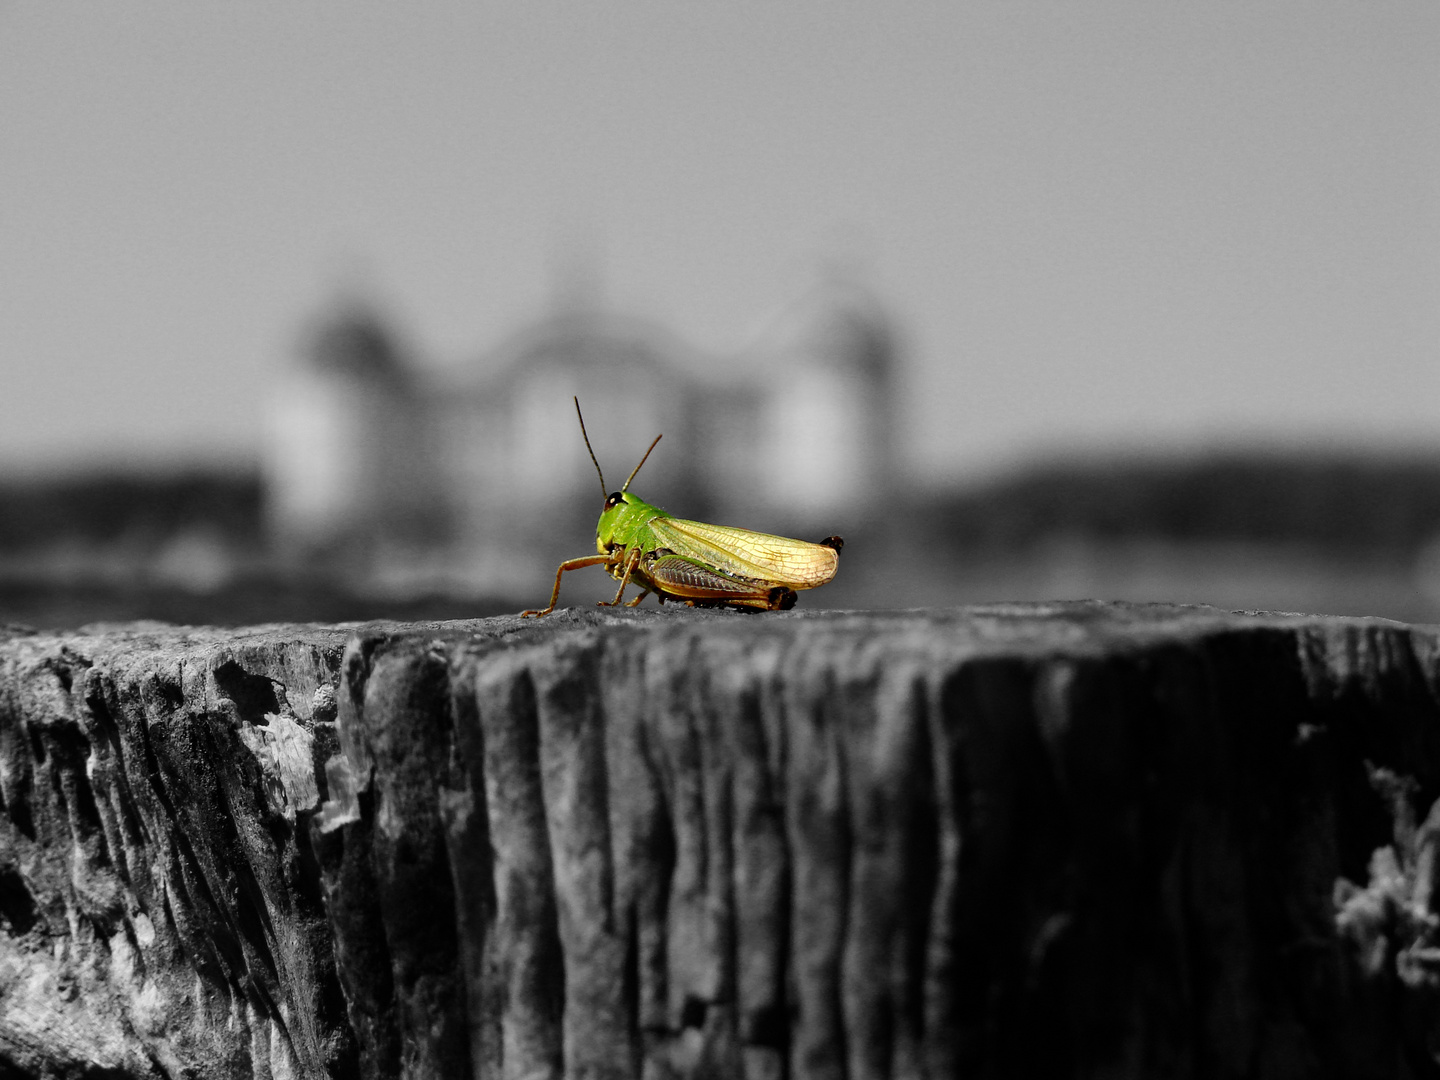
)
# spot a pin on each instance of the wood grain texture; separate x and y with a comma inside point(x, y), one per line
point(1041, 840)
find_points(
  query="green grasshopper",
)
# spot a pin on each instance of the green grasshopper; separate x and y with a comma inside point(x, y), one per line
point(702, 565)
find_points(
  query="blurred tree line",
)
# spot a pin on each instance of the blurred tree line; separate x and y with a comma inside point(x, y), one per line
point(1348, 504)
point(130, 508)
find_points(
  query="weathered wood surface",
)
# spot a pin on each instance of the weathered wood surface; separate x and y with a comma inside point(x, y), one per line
point(1068, 840)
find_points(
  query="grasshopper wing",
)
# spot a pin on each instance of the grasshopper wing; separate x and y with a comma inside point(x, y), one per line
point(759, 557)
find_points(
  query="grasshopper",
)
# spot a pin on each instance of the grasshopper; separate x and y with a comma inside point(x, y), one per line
point(700, 564)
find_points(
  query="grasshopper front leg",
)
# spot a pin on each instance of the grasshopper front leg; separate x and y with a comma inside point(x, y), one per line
point(568, 564)
point(630, 561)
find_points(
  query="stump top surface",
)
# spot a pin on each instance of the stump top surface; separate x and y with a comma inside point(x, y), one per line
point(1023, 628)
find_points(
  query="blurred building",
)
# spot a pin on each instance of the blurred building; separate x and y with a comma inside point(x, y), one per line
point(480, 470)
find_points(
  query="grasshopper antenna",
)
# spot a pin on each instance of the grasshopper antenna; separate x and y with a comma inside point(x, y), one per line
point(604, 494)
point(642, 462)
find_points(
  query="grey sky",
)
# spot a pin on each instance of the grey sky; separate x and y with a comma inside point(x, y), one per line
point(1095, 223)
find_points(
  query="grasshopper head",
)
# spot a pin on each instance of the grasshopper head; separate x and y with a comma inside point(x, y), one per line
point(617, 524)
point(608, 526)
point(622, 519)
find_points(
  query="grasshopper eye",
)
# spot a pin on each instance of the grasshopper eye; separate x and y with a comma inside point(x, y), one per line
point(614, 500)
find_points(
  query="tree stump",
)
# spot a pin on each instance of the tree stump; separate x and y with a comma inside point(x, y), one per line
point(1041, 840)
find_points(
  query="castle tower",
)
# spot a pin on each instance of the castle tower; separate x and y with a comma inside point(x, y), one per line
point(346, 465)
point(828, 406)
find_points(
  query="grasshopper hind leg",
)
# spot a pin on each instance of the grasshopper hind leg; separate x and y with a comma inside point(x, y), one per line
point(696, 585)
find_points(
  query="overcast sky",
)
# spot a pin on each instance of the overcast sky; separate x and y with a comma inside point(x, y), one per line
point(1094, 223)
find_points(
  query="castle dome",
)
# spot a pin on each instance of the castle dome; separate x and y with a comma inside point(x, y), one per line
point(355, 342)
point(838, 323)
